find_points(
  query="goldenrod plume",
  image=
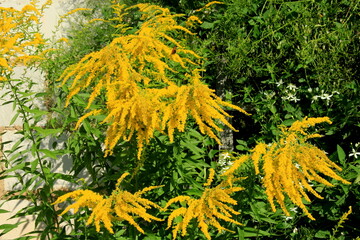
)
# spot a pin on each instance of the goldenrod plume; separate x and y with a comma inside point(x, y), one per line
point(19, 41)
point(135, 72)
point(210, 207)
point(291, 163)
point(120, 205)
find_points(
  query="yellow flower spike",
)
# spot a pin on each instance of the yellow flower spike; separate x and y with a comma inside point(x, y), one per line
point(212, 205)
point(300, 126)
point(20, 40)
point(102, 213)
point(208, 5)
point(235, 165)
point(210, 178)
point(45, 5)
point(30, 8)
point(257, 152)
point(120, 205)
point(344, 217)
point(291, 162)
point(64, 16)
point(122, 177)
point(190, 21)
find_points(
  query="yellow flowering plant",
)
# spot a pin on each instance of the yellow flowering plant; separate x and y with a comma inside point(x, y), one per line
point(207, 210)
point(290, 164)
point(152, 84)
point(121, 205)
point(135, 72)
point(22, 50)
point(20, 40)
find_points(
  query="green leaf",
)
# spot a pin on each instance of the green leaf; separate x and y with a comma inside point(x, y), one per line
point(3, 211)
point(48, 153)
point(207, 25)
point(34, 164)
point(194, 192)
point(193, 148)
point(288, 122)
point(152, 237)
point(8, 227)
point(341, 154)
point(273, 109)
point(322, 234)
point(46, 132)
point(35, 111)
point(13, 119)
point(242, 145)
point(17, 167)
point(252, 232)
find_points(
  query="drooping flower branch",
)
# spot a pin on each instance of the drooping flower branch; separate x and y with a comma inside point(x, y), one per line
point(120, 205)
point(211, 207)
point(290, 164)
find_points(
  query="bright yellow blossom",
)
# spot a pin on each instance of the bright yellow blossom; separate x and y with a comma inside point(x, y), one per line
point(120, 205)
point(135, 73)
point(291, 163)
point(18, 40)
point(208, 5)
point(190, 21)
point(210, 207)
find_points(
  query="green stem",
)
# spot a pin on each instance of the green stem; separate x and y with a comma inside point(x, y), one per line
point(43, 175)
point(32, 137)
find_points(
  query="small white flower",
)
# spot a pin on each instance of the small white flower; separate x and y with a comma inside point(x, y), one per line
point(326, 96)
point(294, 209)
point(226, 155)
point(223, 170)
point(295, 230)
point(279, 83)
point(224, 161)
point(291, 87)
point(315, 98)
point(309, 90)
point(354, 153)
point(293, 98)
point(297, 165)
point(269, 95)
point(287, 218)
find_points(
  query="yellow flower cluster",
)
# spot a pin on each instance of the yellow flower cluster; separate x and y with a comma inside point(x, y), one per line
point(344, 217)
point(210, 207)
point(135, 73)
point(19, 39)
point(191, 20)
point(120, 205)
point(208, 5)
point(291, 163)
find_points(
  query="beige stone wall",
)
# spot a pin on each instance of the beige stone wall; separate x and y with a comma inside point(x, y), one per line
point(2, 131)
point(7, 131)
